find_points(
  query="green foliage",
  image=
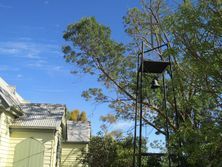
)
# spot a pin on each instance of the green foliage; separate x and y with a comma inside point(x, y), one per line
point(154, 161)
point(94, 47)
point(193, 32)
point(196, 36)
point(106, 151)
point(92, 51)
point(101, 153)
point(74, 116)
point(108, 118)
point(68, 115)
point(83, 117)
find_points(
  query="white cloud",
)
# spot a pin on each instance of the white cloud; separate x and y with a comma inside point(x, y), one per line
point(25, 38)
point(37, 64)
point(5, 6)
point(46, 2)
point(35, 55)
point(122, 125)
point(58, 25)
point(51, 69)
point(27, 49)
point(19, 76)
point(57, 68)
point(47, 90)
point(19, 49)
point(5, 68)
point(32, 28)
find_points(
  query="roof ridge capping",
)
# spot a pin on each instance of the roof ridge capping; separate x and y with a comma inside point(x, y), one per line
point(50, 104)
point(79, 122)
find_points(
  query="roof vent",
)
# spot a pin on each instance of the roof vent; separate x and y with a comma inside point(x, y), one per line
point(12, 89)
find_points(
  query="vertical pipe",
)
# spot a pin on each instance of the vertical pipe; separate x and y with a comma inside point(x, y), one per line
point(151, 26)
point(176, 109)
point(174, 96)
point(141, 107)
point(167, 122)
point(136, 108)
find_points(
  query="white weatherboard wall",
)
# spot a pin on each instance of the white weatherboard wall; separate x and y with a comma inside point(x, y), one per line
point(5, 120)
point(71, 154)
point(46, 137)
point(78, 137)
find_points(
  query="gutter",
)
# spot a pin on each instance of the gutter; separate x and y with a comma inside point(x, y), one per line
point(76, 142)
point(33, 127)
point(16, 110)
point(13, 110)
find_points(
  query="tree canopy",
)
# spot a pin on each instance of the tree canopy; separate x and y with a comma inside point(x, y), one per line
point(75, 115)
point(106, 151)
point(193, 32)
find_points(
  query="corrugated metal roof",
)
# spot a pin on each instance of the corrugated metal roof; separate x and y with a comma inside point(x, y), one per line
point(43, 116)
point(8, 98)
point(9, 94)
point(78, 131)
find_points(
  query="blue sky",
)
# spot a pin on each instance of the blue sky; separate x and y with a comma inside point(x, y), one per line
point(30, 50)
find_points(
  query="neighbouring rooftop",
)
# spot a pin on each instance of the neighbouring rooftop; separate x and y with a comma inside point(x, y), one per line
point(41, 115)
point(78, 131)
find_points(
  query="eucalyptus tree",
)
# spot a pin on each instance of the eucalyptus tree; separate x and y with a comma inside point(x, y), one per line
point(193, 33)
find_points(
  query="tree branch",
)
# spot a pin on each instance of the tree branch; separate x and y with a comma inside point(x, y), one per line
point(149, 123)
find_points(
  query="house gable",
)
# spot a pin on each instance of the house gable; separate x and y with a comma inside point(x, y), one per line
point(44, 123)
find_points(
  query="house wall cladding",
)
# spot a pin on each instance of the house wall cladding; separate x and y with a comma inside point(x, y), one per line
point(29, 152)
point(5, 120)
point(47, 138)
point(71, 152)
point(34, 138)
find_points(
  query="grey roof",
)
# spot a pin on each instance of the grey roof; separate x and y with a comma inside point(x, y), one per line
point(43, 116)
point(9, 94)
point(78, 131)
point(8, 98)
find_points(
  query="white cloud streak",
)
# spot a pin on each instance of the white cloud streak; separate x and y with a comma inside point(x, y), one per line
point(6, 68)
point(27, 49)
point(43, 65)
point(46, 2)
point(122, 125)
point(19, 76)
point(35, 55)
point(5, 6)
point(47, 90)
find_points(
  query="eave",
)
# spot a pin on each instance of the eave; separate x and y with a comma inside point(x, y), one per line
point(12, 110)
